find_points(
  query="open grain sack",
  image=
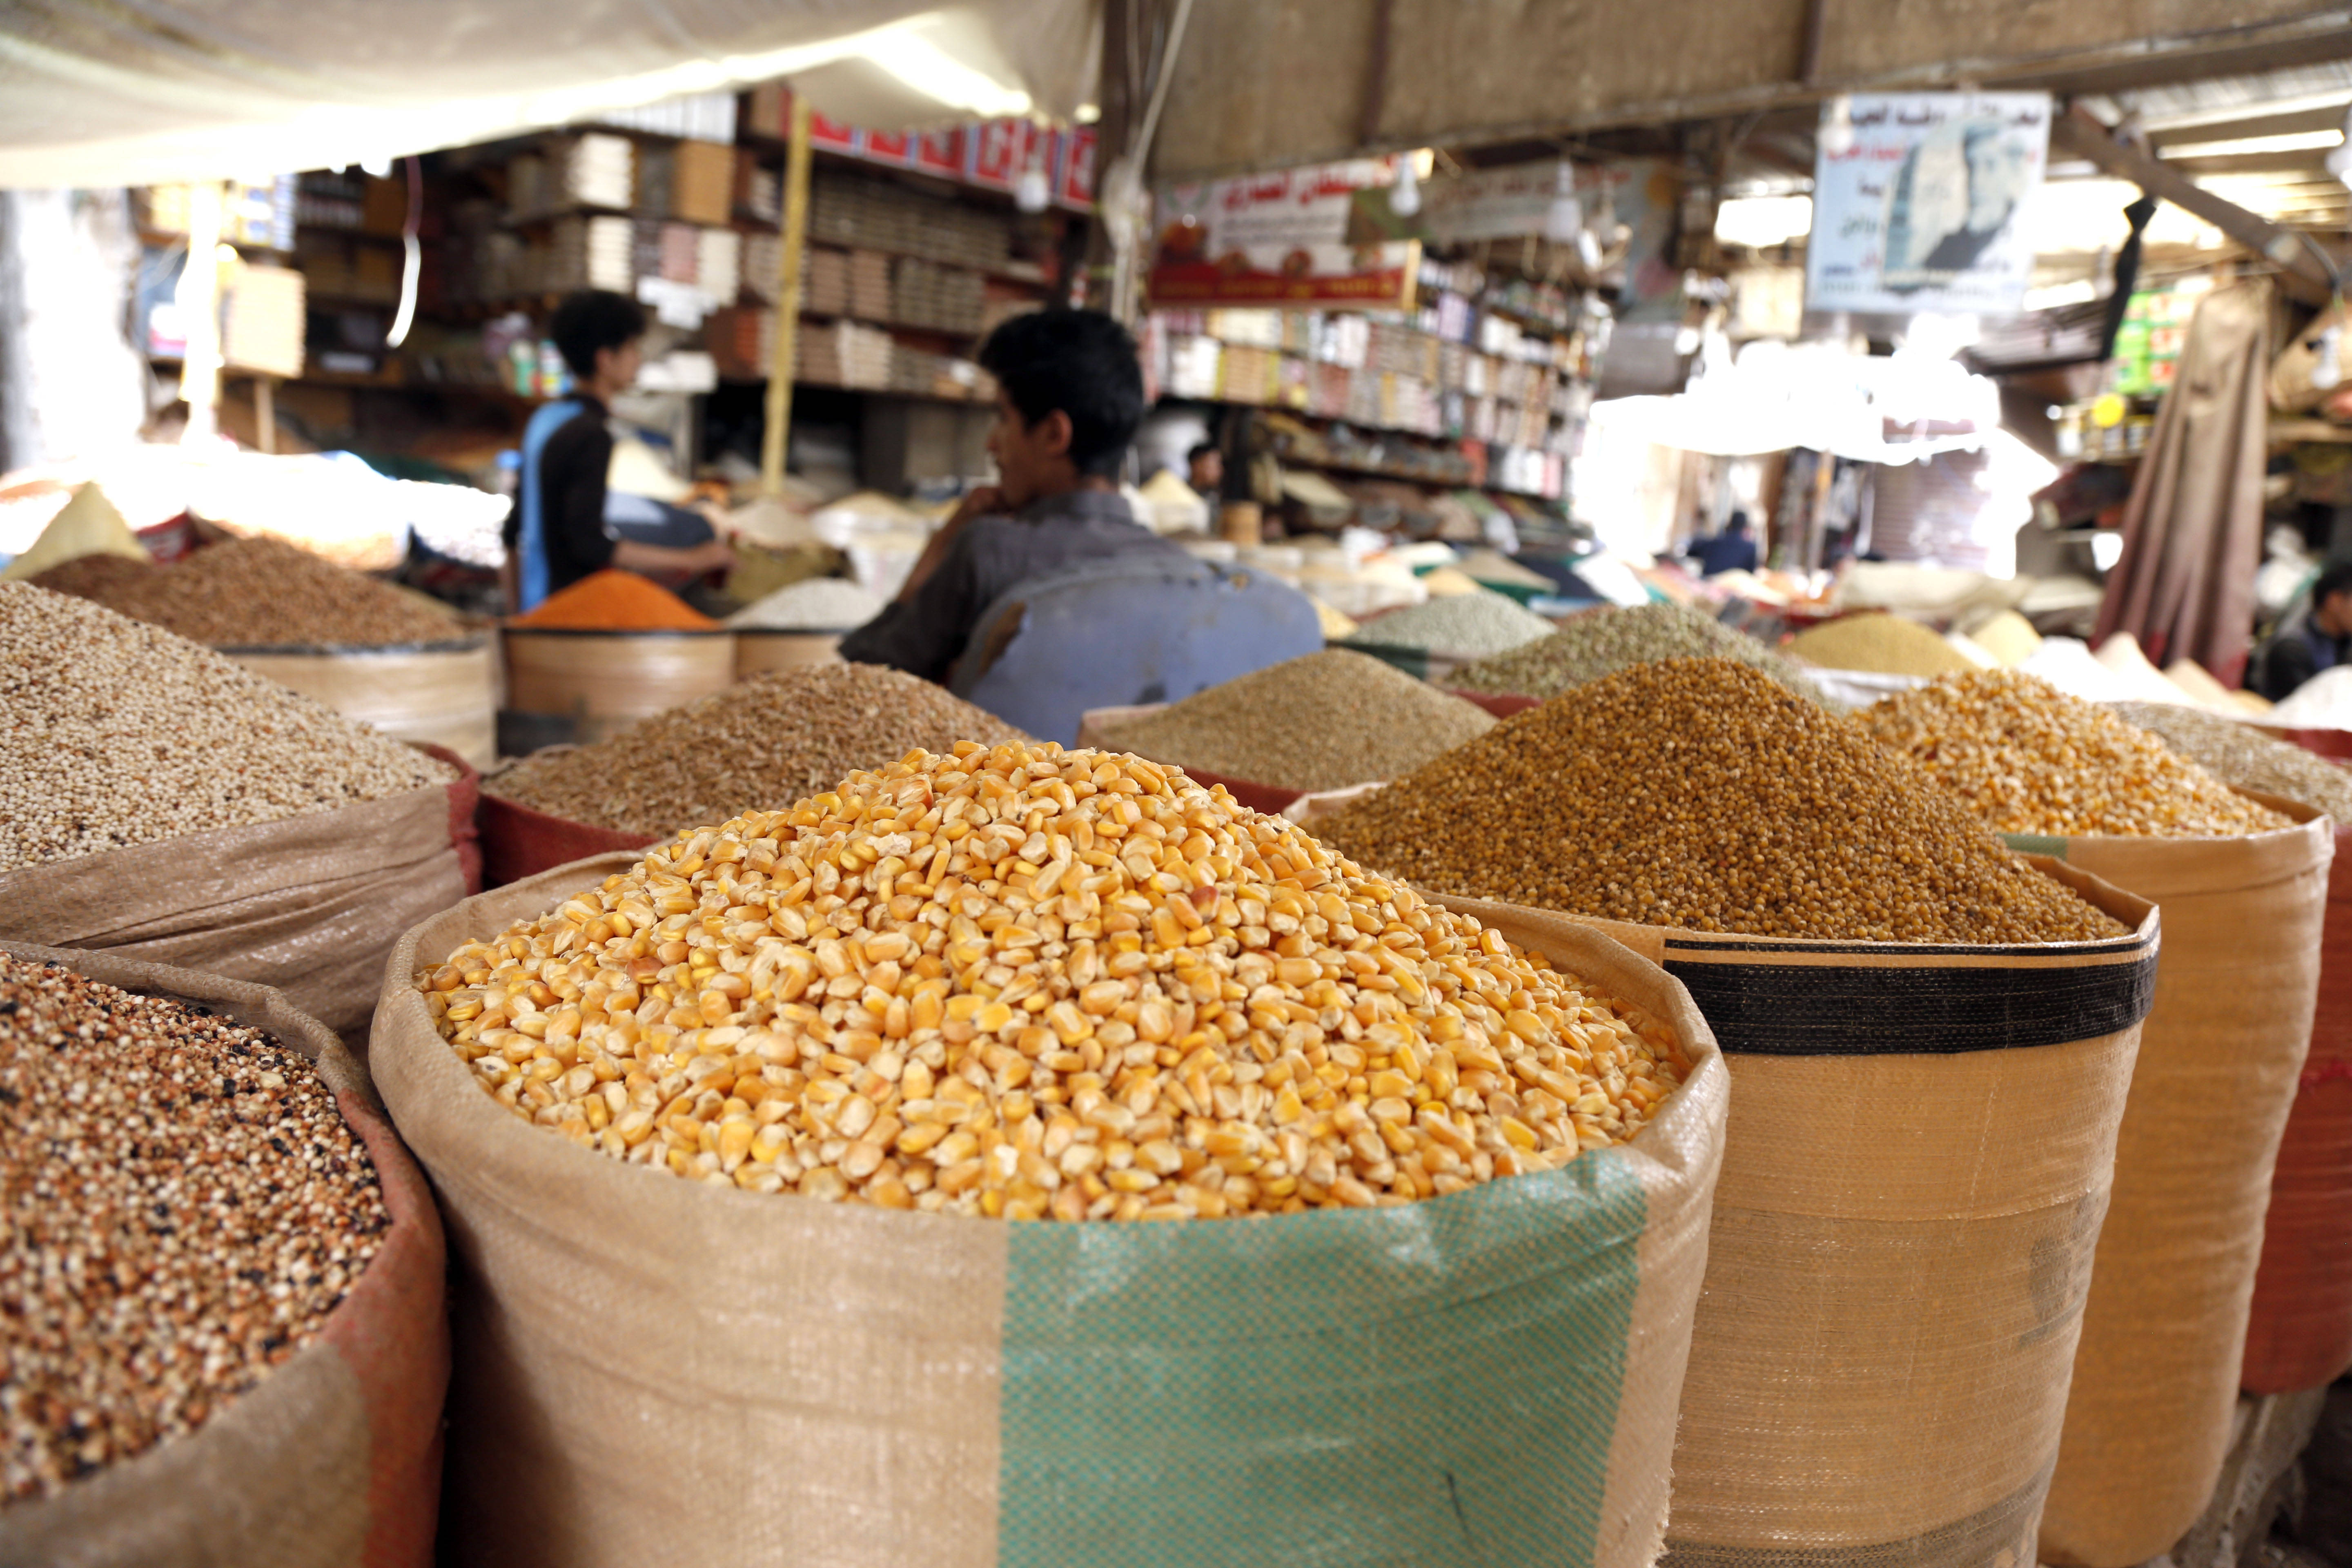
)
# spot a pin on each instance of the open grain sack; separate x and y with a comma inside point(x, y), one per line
point(220, 1282)
point(2299, 1329)
point(743, 1295)
point(160, 803)
point(2242, 882)
point(1930, 1041)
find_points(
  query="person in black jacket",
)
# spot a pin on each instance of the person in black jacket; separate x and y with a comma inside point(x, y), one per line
point(2317, 635)
point(1069, 395)
point(556, 534)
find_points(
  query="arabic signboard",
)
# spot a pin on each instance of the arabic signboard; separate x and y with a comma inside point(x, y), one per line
point(1279, 239)
point(1536, 199)
point(1920, 213)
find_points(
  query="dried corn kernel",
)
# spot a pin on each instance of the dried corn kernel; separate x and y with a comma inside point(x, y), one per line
point(1142, 1000)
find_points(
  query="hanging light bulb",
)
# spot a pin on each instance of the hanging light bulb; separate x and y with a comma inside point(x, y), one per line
point(1836, 137)
point(1404, 196)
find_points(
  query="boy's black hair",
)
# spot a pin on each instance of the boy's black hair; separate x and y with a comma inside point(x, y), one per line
point(1204, 449)
point(591, 320)
point(2336, 579)
point(1082, 363)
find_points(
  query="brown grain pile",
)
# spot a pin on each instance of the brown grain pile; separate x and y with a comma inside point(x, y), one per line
point(2027, 758)
point(181, 1207)
point(1700, 794)
point(1324, 720)
point(266, 593)
point(763, 743)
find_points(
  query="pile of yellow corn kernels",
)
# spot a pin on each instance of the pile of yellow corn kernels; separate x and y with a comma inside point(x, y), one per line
point(1039, 983)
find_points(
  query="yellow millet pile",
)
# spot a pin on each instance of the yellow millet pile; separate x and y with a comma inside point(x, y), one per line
point(2027, 758)
point(1697, 793)
point(1038, 983)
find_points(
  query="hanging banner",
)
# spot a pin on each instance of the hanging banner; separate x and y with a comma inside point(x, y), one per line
point(1917, 210)
point(1279, 239)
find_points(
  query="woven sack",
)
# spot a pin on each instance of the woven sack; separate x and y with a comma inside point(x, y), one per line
point(2221, 1054)
point(308, 905)
point(519, 841)
point(653, 1370)
point(2299, 1327)
point(1921, 1141)
point(334, 1460)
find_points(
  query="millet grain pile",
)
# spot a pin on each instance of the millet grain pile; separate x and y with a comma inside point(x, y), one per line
point(2243, 755)
point(1604, 641)
point(1473, 624)
point(183, 1205)
point(1025, 983)
point(763, 743)
point(2027, 758)
point(1698, 793)
point(266, 593)
point(113, 733)
point(1319, 723)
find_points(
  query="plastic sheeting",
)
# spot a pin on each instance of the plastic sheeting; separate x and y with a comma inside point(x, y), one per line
point(183, 90)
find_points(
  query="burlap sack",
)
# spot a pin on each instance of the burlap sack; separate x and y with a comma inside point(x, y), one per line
point(654, 1371)
point(519, 841)
point(2156, 1375)
point(309, 905)
point(1917, 1165)
point(334, 1460)
point(2299, 1326)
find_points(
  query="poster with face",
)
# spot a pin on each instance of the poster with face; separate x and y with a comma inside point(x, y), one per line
point(1916, 202)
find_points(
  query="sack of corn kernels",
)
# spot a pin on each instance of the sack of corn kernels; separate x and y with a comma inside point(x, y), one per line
point(1358, 1337)
point(2221, 1056)
point(1918, 1159)
point(225, 1326)
point(2299, 1329)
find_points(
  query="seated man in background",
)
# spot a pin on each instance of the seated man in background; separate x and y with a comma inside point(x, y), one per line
point(2317, 635)
point(1070, 396)
point(1730, 551)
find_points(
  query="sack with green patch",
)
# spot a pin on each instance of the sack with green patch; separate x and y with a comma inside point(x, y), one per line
point(653, 1370)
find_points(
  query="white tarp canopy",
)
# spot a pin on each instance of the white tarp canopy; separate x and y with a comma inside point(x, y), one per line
point(1777, 396)
point(152, 91)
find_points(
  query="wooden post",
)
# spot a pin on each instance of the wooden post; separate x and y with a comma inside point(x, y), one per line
point(264, 414)
point(792, 253)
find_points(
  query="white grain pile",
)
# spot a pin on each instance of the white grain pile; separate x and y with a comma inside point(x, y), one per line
point(812, 605)
point(1473, 624)
point(113, 733)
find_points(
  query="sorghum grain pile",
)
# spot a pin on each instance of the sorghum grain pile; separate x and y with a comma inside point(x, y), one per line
point(183, 1205)
point(764, 743)
point(1322, 721)
point(1698, 793)
point(1035, 983)
point(113, 733)
point(266, 593)
point(2027, 758)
